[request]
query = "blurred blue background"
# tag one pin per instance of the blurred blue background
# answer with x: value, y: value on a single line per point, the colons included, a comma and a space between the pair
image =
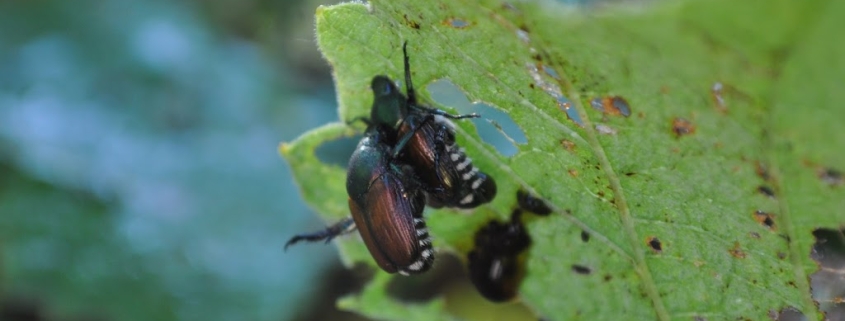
x: 139, y: 173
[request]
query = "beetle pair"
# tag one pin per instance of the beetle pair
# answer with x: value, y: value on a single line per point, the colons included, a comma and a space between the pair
x: 407, y: 159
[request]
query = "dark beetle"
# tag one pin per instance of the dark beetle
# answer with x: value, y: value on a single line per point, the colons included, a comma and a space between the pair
x: 386, y: 202
x: 408, y: 152
x: 497, y: 262
x: 431, y: 149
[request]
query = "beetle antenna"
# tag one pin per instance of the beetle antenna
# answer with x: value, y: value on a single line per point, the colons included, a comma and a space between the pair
x: 409, y: 86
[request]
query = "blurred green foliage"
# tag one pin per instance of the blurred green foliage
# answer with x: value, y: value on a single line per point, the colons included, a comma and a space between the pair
x: 139, y: 178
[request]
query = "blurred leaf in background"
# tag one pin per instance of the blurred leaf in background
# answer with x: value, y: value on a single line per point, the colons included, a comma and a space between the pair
x: 139, y: 178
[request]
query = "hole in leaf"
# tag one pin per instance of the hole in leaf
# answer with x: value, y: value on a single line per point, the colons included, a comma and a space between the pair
x: 494, y: 127
x: 681, y: 127
x: 612, y: 105
x: 580, y: 269
x: 585, y: 237
x: 605, y: 129
x: 532, y: 203
x: 654, y: 244
x: 338, y: 151
x: 718, y: 100
x: 788, y: 314
x: 523, y: 35
x: 456, y: 23
x: 767, y: 191
x: 497, y: 260
x: 423, y: 287
x: 547, y: 81
x: 767, y: 219
x: 828, y: 283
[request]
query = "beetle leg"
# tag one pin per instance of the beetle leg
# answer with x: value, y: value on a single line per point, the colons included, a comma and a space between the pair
x: 346, y: 225
x: 435, y: 111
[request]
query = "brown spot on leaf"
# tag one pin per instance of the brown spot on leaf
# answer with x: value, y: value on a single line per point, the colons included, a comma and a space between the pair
x: 762, y: 170
x: 612, y: 105
x: 767, y: 219
x: 654, y: 244
x: 681, y: 127
x: 573, y: 172
x: 568, y: 145
x: 736, y: 251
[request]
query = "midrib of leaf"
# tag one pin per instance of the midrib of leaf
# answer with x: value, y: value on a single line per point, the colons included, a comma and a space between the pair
x: 638, y: 259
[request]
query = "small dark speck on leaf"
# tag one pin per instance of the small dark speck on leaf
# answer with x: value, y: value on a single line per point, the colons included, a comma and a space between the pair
x: 612, y: 105
x: 655, y: 244
x: 764, y: 218
x: 767, y: 191
x: 699, y: 319
x: 754, y: 235
x: 411, y: 23
x: 681, y: 127
x: 781, y: 255
x: 831, y: 176
x: 585, y: 237
x: 580, y: 269
x: 736, y: 251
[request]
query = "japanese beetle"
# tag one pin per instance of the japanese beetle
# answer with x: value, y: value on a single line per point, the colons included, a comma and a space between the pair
x: 497, y: 263
x: 386, y: 201
x: 431, y: 149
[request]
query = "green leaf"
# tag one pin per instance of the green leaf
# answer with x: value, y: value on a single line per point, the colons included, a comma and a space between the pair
x: 697, y: 193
